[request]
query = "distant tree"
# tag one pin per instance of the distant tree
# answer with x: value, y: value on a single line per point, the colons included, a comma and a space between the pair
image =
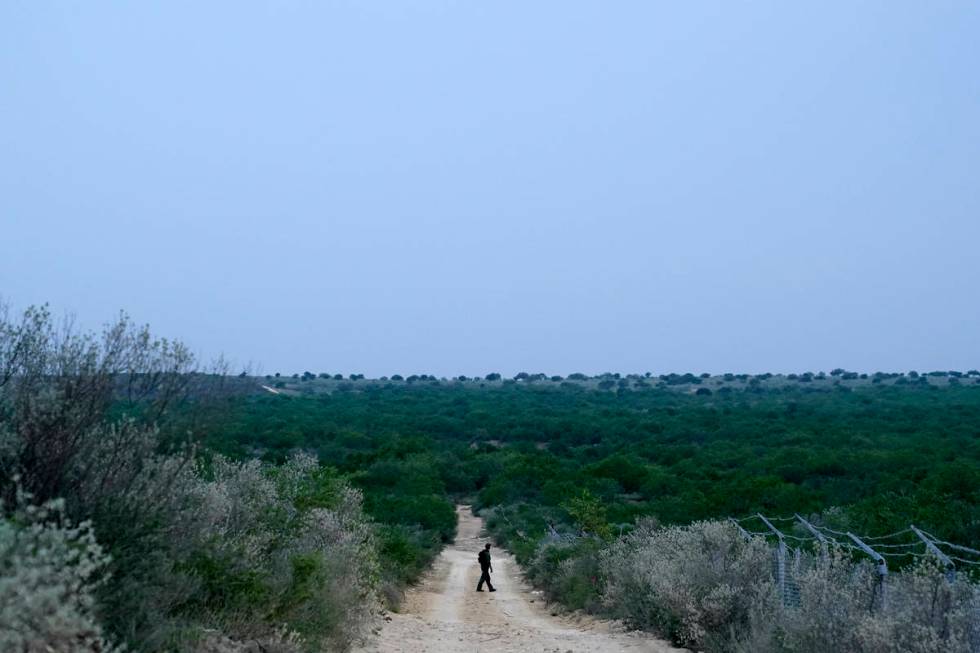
x: 493, y: 376
x: 556, y: 378
x: 606, y: 384
x: 461, y: 378
x: 521, y: 376
x: 397, y: 377
x: 324, y: 375
x: 837, y: 371
x: 705, y: 375
x: 577, y: 376
x: 702, y: 391
x: 277, y: 375
x: 338, y: 377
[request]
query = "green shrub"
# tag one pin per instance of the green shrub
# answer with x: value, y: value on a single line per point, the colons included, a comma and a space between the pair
x: 569, y: 573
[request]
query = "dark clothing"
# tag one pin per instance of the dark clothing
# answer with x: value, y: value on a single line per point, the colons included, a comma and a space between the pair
x: 484, y: 578
x: 485, y: 567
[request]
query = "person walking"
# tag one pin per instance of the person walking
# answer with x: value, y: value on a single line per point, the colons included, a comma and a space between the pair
x: 487, y: 568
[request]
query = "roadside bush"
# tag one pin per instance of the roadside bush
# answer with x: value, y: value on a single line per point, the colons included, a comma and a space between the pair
x: 281, y: 546
x: 190, y: 551
x: 430, y: 511
x: 49, y: 569
x: 840, y: 610
x: 569, y: 573
x: 708, y: 588
x: 406, y: 551
x: 701, y: 585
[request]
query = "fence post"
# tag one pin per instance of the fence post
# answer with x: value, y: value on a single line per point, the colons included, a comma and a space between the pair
x: 744, y: 532
x: 813, y: 529
x: 877, y: 557
x: 933, y: 549
x: 780, y: 558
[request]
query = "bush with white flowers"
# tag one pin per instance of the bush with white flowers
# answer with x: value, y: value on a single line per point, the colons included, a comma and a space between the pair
x: 49, y: 569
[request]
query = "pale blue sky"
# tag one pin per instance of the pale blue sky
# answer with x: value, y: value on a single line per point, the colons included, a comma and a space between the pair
x: 463, y: 187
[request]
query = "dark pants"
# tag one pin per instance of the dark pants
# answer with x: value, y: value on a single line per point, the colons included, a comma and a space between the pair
x: 485, y: 578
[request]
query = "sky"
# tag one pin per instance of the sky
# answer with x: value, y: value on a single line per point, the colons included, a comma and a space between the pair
x: 466, y: 187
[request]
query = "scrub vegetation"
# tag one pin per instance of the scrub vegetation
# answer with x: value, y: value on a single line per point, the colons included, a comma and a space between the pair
x: 119, y: 531
x: 613, y: 491
x: 153, y: 505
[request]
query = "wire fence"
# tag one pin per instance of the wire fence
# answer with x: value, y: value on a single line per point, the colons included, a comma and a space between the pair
x: 794, y: 535
x: 797, y: 539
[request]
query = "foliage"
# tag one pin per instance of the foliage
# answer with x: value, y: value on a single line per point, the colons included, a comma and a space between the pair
x: 589, y: 514
x: 49, y: 571
x: 922, y: 610
x: 706, y: 587
x: 132, y: 536
x: 701, y: 585
x: 546, y: 462
x: 569, y: 572
x: 221, y: 524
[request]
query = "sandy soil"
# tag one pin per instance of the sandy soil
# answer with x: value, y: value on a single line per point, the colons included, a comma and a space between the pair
x: 445, y: 613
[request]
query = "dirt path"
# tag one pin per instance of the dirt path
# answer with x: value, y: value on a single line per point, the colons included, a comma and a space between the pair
x: 444, y: 614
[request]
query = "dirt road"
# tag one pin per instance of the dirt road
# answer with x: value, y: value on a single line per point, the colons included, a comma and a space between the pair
x: 444, y: 614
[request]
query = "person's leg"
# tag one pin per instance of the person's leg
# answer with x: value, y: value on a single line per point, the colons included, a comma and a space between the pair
x: 489, y: 584
x: 483, y: 578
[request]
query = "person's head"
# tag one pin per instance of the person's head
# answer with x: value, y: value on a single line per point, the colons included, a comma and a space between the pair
x: 488, y: 546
